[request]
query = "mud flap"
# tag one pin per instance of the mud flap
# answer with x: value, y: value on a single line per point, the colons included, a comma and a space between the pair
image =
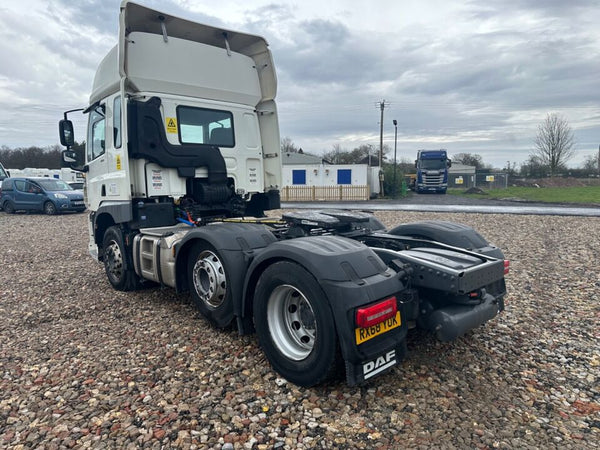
x: 365, y: 370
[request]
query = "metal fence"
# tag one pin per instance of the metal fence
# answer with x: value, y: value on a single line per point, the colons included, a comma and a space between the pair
x: 496, y: 180
x: 324, y: 193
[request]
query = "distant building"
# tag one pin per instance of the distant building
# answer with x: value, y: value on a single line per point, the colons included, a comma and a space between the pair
x: 461, y: 168
x: 300, y: 170
x: 461, y: 176
x: 301, y: 158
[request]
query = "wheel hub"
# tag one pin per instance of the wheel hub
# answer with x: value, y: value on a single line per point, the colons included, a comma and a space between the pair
x: 292, y: 322
x: 114, y: 260
x: 209, y: 279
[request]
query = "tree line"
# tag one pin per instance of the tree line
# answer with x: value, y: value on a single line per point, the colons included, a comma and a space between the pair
x: 20, y: 158
x: 40, y: 157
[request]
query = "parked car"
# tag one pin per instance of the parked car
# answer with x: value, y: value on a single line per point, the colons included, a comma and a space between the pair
x: 49, y: 195
x: 76, y: 185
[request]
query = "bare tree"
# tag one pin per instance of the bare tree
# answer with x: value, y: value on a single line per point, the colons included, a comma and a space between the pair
x: 590, y: 163
x: 554, y: 142
x: 288, y: 146
x: 363, y: 154
x: 469, y: 159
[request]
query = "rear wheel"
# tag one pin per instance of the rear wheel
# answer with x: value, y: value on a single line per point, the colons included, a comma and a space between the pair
x: 208, y: 283
x: 295, y: 325
x: 120, y: 274
x: 49, y: 208
x: 8, y: 207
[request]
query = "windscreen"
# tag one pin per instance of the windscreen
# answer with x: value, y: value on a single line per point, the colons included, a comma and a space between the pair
x: 54, y: 185
x: 432, y: 164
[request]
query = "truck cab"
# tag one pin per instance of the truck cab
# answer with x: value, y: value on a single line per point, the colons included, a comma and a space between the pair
x: 181, y: 120
x: 432, y: 171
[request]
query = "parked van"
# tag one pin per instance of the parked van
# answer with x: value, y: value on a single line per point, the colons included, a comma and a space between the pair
x: 40, y: 194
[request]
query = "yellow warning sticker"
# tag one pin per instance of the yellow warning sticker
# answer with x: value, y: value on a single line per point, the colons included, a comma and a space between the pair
x: 171, y: 124
x: 118, y: 162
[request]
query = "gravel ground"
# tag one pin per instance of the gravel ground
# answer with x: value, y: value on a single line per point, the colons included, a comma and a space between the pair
x: 85, y: 366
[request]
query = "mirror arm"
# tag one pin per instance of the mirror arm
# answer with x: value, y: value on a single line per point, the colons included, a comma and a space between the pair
x: 70, y: 111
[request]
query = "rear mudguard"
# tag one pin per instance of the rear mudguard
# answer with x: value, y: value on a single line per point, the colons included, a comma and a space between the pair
x: 352, y: 276
x: 454, y: 234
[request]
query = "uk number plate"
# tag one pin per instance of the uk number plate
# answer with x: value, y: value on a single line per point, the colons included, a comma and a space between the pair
x: 364, y: 334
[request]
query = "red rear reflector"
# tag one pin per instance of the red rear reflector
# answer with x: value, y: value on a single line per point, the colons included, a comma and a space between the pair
x: 506, y: 266
x: 379, y: 312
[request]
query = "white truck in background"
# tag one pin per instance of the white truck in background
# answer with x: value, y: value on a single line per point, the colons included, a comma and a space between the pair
x: 182, y: 159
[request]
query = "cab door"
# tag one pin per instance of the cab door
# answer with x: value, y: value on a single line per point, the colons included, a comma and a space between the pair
x: 96, y: 157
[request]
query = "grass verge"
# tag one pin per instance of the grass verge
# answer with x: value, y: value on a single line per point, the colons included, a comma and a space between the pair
x: 587, y: 194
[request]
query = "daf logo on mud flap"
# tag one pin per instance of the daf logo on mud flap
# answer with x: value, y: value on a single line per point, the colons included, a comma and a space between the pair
x: 372, y: 368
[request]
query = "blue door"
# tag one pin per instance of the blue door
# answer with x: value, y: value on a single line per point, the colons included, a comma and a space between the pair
x: 298, y: 176
x: 344, y: 176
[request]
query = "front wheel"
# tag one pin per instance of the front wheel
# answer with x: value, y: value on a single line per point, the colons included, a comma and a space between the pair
x: 119, y: 273
x: 295, y: 325
x: 8, y: 207
x: 49, y: 208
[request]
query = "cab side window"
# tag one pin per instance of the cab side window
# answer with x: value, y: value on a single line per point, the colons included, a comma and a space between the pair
x: 96, y: 144
x: 117, y: 122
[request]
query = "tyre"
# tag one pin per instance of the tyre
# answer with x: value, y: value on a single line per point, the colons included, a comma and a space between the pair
x: 49, y: 208
x: 8, y: 207
x: 295, y: 325
x: 208, y: 282
x: 119, y: 272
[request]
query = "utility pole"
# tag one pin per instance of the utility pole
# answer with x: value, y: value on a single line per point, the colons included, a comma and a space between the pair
x: 382, y: 106
x: 395, y: 122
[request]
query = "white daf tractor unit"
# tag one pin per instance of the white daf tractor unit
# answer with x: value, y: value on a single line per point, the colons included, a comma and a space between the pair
x: 183, y: 158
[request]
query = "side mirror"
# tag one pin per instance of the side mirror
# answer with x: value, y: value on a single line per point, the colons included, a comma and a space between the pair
x: 449, y: 163
x: 66, y: 133
x: 416, y: 163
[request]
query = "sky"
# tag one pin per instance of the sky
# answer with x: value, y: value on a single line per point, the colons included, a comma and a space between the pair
x: 471, y: 77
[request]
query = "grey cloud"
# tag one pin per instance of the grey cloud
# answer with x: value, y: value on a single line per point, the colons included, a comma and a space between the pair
x: 89, y: 14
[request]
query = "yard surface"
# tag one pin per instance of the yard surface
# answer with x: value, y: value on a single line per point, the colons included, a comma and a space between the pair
x: 86, y: 366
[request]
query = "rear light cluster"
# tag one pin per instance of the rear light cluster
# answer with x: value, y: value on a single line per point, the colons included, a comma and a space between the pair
x: 506, y: 266
x: 377, y: 313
